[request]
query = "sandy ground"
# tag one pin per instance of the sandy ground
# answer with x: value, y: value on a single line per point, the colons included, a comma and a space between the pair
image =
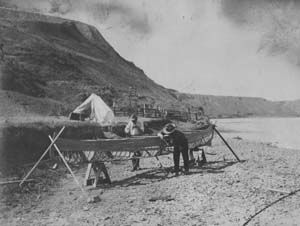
x: 222, y: 192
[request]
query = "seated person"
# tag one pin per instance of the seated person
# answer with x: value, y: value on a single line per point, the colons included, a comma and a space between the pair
x: 134, y: 128
x: 202, y: 119
x: 202, y: 122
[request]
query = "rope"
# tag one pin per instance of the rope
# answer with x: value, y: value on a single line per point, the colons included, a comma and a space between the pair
x: 269, y: 205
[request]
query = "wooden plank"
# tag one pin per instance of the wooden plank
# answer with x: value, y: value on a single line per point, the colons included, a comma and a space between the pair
x: 87, y: 174
x: 103, y: 145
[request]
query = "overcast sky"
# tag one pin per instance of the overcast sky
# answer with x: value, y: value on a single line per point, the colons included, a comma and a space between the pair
x: 217, y: 47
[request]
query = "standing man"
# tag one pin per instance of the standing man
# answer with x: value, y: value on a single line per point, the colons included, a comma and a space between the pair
x: 180, y: 143
x: 134, y: 128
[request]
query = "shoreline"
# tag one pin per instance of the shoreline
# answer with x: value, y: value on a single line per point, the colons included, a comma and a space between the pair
x: 265, y: 143
x: 281, y: 132
x: 222, y: 192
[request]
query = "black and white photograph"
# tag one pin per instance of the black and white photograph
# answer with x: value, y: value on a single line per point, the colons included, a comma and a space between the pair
x: 149, y: 112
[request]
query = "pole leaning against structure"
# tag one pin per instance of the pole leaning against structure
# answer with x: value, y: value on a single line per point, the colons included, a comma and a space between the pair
x: 225, y: 142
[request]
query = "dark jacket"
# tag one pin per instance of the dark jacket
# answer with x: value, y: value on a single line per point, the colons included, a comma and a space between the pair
x: 176, y: 139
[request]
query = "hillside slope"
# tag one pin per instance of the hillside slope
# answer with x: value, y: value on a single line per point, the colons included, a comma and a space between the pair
x: 229, y: 106
x: 51, y: 64
x: 62, y: 60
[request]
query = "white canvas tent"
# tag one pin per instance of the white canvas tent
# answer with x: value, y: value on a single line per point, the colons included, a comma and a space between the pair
x: 97, y: 110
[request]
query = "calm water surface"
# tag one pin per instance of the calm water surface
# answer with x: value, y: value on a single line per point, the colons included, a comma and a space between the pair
x: 283, y: 132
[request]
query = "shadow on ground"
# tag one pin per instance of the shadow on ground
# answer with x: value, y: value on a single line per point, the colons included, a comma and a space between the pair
x: 147, y: 176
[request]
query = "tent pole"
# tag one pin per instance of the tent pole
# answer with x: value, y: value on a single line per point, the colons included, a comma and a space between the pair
x: 226, y: 144
x: 46, y: 151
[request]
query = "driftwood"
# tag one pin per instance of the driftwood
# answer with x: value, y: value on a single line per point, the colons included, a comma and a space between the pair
x: 14, y: 181
x: 279, y: 191
x: 166, y: 198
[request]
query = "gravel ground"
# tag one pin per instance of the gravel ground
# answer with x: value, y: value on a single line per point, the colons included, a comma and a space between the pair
x: 221, y: 192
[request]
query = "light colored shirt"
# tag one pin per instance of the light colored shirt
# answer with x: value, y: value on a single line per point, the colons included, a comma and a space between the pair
x: 203, y: 121
x: 131, y: 126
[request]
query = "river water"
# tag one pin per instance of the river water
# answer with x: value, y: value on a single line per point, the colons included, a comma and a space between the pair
x: 282, y: 132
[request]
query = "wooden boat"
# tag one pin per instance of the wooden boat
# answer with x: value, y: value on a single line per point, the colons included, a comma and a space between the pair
x: 106, y: 150
x: 96, y: 152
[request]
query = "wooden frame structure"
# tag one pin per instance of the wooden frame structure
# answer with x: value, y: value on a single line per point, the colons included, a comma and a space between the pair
x: 97, y: 152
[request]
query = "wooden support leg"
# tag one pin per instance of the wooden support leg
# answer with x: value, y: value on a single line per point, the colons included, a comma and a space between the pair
x: 97, y: 168
x: 104, y: 170
x: 51, y: 151
x: 97, y: 172
x: 199, y: 162
x: 191, y: 155
x: 160, y: 164
x: 149, y: 154
x: 68, y: 167
x: 192, y: 160
x: 87, y: 175
x: 203, y: 157
x: 43, y: 155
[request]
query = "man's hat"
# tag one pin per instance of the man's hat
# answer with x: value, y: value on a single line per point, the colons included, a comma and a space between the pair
x: 169, y: 128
